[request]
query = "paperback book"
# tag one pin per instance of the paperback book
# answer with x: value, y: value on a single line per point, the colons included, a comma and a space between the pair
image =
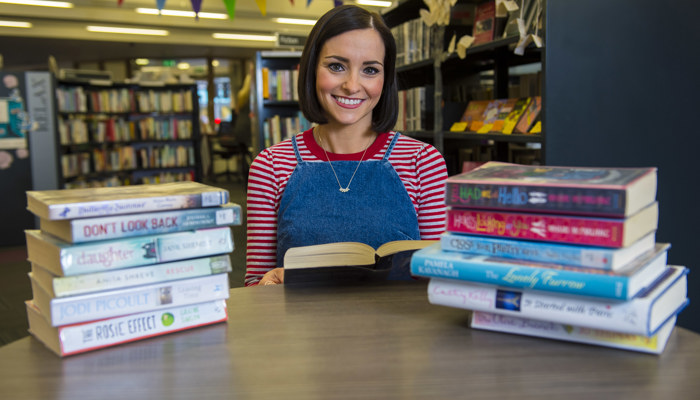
x: 65, y: 259
x: 88, y: 336
x: 607, y: 192
x: 112, y: 303
x: 643, y: 315
x: 569, y: 333
x: 62, y: 286
x: 350, y: 261
x: 539, y: 251
x: 530, y: 115
x: 573, y: 229
x: 122, y: 226
x: 433, y: 262
x: 117, y: 200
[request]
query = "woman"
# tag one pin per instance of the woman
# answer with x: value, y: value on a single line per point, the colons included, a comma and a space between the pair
x: 350, y: 178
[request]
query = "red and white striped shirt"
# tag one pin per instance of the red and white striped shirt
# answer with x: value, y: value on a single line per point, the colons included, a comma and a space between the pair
x: 420, y: 167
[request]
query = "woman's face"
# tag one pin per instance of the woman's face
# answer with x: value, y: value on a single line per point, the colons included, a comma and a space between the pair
x: 350, y: 76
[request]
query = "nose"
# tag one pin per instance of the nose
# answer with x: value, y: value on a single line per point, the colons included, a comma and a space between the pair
x: 351, y: 83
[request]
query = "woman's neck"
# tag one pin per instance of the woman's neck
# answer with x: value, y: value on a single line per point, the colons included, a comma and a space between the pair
x: 344, y: 141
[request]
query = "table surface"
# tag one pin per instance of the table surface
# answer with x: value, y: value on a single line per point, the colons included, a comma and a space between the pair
x: 380, y: 341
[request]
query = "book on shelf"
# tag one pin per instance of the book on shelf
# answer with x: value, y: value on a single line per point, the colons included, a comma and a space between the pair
x: 484, y: 22
x: 611, y: 192
x: 559, y: 228
x: 63, y: 286
x: 83, y: 230
x: 575, y: 255
x: 530, y: 115
x: 112, y: 303
x: 489, y: 117
x: 349, y: 261
x: 497, y: 123
x: 623, y: 284
x: 65, y: 259
x: 473, y: 115
x: 93, y: 335
x: 644, y: 314
x: 95, y: 202
x: 569, y: 333
x: 515, y: 114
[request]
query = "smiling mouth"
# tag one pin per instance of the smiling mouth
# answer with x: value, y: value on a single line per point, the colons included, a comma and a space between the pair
x: 346, y: 101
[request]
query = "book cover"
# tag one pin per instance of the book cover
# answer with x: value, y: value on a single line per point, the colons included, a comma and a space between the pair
x: 613, y: 192
x: 343, y: 262
x: 96, y: 202
x: 122, y: 226
x: 506, y: 109
x: 112, y: 303
x: 642, y: 315
x: 473, y: 115
x: 569, y: 333
x: 529, y: 117
x: 515, y: 114
x: 490, y: 116
x: 88, y: 336
x: 62, y: 286
x: 484, y: 23
x: 433, y: 262
x: 572, y: 229
x: 540, y: 251
x: 65, y: 259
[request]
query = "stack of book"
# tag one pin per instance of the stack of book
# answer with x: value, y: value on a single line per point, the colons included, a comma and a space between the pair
x: 119, y: 264
x: 565, y: 253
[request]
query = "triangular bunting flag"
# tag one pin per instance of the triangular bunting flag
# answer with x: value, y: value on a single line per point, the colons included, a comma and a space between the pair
x: 196, y: 6
x: 308, y: 2
x: 336, y: 3
x: 230, y: 8
x: 262, y: 5
x: 119, y: 2
x: 160, y: 5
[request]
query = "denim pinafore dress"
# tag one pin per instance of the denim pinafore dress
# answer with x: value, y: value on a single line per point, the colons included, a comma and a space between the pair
x: 377, y: 209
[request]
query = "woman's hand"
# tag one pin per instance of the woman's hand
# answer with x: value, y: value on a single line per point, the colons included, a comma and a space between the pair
x: 273, y: 277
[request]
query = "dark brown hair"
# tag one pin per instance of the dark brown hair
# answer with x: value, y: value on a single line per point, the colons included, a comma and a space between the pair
x: 333, y: 23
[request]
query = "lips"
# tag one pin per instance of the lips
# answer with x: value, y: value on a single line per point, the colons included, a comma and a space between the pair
x: 348, y: 102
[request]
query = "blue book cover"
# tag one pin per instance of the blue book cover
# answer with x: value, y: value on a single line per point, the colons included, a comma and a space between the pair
x: 433, y: 262
x: 565, y: 254
x: 131, y: 225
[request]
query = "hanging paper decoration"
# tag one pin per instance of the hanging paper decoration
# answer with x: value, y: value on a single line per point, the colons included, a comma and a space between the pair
x: 262, y: 5
x: 336, y: 3
x: 160, y: 5
x: 291, y: 1
x: 119, y: 2
x: 230, y: 8
x: 308, y: 2
x: 196, y: 6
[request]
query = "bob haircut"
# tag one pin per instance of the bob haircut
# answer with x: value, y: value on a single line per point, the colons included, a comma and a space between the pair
x: 335, y: 22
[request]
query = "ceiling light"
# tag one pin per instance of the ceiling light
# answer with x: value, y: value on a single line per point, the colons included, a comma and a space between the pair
x: 242, y: 36
x: 41, y: 3
x: 183, y: 65
x: 180, y: 13
x: 16, y: 24
x: 295, y: 21
x: 374, y: 3
x: 141, y: 61
x: 130, y: 31
x: 215, y: 63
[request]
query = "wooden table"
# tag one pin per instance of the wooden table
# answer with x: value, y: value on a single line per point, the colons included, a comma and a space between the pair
x: 372, y: 342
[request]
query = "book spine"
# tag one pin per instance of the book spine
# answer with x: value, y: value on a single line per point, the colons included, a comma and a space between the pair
x: 94, y: 229
x: 130, y: 206
x: 90, y: 307
x: 521, y: 275
x: 101, y: 281
x: 549, y: 199
x: 85, y: 337
x: 605, y: 232
x: 569, y: 333
x: 145, y: 250
x: 628, y: 317
x: 574, y: 255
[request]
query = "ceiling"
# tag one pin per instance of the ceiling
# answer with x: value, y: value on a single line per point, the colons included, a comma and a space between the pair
x: 61, y: 32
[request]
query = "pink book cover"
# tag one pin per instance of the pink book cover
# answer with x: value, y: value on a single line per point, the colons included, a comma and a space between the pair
x: 603, y: 232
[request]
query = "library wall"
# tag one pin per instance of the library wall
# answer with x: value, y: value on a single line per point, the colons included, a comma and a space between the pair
x: 620, y: 91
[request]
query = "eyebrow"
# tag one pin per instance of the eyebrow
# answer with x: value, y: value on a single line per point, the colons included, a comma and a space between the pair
x: 345, y: 60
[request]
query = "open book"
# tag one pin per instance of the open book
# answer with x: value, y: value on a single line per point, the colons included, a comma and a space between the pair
x: 342, y: 262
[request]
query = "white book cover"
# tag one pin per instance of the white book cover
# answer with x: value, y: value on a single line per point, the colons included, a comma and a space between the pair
x: 112, y: 303
x: 642, y: 315
x: 88, y: 336
x: 551, y: 330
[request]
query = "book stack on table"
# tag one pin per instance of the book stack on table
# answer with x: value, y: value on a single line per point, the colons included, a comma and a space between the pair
x: 119, y: 264
x: 566, y: 253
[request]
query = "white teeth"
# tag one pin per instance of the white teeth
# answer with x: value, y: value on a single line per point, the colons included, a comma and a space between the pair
x: 350, y: 102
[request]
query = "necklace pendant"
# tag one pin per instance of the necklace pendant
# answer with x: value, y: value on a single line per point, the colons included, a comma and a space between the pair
x: 344, y: 190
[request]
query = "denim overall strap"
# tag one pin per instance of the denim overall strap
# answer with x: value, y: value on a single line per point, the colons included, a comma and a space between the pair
x: 377, y: 208
x: 296, y: 149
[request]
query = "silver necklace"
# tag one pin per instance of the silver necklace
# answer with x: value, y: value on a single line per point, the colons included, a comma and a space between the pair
x: 340, y: 187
